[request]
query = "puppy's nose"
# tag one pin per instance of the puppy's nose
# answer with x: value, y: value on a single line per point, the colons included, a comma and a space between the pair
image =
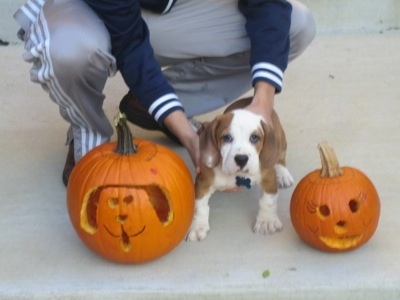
x: 241, y: 160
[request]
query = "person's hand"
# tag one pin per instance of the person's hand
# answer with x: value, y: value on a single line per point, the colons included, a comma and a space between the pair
x: 178, y: 123
x: 263, y: 101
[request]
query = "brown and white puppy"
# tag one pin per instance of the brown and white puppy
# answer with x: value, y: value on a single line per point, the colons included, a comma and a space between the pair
x: 239, y: 149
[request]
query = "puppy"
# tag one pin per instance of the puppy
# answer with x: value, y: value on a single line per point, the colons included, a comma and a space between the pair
x: 238, y: 149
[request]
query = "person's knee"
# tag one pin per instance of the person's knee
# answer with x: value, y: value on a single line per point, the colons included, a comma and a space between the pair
x: 303, y: 29
x: 76, y: 34
x: 78, y: 55
x: 307, y: 28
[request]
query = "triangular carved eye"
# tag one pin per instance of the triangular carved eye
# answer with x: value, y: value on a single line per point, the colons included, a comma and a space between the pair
x: 112, y: 202
x: 128, y: 200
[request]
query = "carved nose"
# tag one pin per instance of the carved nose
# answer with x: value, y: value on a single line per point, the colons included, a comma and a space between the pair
x: 122, y: 218
x: 340, y: 227
x: 241, y: 160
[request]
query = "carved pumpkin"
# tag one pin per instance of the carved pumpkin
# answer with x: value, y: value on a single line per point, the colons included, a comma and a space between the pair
x: 130, y: 201
x: 335, y: 209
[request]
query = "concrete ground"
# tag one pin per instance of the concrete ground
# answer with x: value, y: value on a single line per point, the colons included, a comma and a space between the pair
x: 345, y: 89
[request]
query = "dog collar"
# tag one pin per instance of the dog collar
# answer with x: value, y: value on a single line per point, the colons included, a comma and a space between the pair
x: 243, y: 181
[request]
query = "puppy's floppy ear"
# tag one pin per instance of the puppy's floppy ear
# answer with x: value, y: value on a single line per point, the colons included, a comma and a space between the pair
x: 209, y: 151
x: 269, y: 154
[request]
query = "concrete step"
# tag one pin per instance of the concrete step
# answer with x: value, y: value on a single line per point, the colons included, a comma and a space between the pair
x: 343, y: 89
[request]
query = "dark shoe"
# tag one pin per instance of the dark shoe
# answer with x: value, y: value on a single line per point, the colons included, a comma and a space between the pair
x: 136, y: 114
x: 69, y: 164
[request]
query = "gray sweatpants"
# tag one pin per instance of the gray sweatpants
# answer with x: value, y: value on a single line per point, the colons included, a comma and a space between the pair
x: 202, y: 45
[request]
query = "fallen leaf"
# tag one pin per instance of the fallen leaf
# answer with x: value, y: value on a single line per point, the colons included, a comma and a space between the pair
x: 266, y: 274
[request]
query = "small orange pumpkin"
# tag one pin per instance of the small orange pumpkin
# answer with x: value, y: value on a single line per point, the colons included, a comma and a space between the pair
x: 130, y: 201
x: 334, y: 209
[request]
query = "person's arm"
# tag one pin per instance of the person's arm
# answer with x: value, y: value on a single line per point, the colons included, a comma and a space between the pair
x: 263, y: 100
x: 135, y: 60
x: 135, y: 57
x: 267, y: 25
x: 177, y: 122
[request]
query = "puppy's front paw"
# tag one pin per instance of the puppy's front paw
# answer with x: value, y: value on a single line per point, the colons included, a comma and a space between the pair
x: 200, y: 224
x: 267, y: 226
x: 198, y: 231
x: 283, y: 176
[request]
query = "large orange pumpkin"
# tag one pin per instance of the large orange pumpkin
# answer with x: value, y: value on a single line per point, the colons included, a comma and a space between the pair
x: 130, y: 201
x: 335, y: 209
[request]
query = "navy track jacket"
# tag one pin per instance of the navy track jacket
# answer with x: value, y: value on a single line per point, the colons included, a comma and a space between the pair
x: 268, y: 24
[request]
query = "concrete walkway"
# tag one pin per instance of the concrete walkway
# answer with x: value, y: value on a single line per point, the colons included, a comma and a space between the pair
x: 344, y: 89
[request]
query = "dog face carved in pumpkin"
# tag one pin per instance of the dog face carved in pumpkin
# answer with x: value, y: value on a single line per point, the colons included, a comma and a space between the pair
x: 121, y: 213
x: 130, y: 201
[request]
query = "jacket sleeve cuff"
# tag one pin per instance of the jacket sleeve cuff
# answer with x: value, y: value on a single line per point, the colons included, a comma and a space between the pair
x: 267, y: 72
x: 163, y: 106
x: 157, y: 6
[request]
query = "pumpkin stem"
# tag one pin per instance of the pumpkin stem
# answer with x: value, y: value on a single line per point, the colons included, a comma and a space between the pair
x: 125, y: 145
x: 330, y: 164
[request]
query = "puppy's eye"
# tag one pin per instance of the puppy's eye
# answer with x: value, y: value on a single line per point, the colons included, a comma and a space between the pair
x: 254, y: 138
x: 227, y: 138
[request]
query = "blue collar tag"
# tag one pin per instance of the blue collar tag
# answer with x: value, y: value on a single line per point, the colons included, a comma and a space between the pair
x: 243, y: 181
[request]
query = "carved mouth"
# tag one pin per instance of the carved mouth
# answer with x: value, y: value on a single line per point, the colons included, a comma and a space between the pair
x: 123, y: 232
x: 125, y: 241
x: 341, y: 242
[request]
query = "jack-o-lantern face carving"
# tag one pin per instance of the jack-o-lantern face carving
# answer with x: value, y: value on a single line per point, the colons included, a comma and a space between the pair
x: 335, y: 213
x: 121, y: 213
x: 131, y: 207
x: 338, y: 221
x: 339, y: 229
